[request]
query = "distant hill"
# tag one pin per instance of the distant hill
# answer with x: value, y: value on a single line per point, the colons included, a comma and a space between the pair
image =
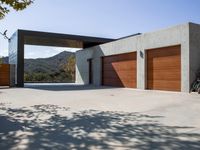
x: 44, y: 65
x: 47, y: 65
x: 47, y: 69
x: 5, y: 60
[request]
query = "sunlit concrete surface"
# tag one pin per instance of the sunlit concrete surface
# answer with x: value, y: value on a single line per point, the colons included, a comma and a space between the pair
x: 71, y: 116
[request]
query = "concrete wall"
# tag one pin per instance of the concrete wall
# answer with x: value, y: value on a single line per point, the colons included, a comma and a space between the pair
x: 194, y: 51
x: 177, y: 35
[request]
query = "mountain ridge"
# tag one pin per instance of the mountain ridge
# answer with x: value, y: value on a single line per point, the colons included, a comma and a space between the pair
x: 48, y: 69
x: 47, y: 65
x: 53, y: 62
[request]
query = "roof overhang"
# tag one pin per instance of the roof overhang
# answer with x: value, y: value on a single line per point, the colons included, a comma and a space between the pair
x: 59, y: 40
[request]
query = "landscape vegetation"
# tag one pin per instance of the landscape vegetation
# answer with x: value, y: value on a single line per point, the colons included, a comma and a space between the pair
x: 58, y: 68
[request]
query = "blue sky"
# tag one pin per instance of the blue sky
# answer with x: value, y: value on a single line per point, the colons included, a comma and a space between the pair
x: 101, y: 18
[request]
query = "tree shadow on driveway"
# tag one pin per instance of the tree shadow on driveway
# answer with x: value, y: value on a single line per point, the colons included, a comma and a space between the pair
x: 53, y: 127
x: 65, y: 87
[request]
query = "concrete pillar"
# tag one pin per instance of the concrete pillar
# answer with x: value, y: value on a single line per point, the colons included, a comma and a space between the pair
x: 141, y: 69
x: 185, y: 68
x: 97, y: 71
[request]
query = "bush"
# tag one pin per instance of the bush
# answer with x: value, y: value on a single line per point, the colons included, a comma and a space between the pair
x: 1, y: 60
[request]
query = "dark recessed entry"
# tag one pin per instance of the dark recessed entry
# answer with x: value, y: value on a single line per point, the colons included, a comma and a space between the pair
x: 90, y: 71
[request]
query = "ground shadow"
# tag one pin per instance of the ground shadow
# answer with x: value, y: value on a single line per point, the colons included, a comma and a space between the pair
x: 48, y: 127
x: 65, y: 87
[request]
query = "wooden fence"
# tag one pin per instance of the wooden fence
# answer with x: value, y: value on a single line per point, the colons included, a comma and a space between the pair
x: 4, y: 75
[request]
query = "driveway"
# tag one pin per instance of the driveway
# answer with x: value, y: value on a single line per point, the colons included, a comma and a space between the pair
x: 86, y: 117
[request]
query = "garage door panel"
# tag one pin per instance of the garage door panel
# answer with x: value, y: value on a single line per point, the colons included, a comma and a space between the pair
x: 124, y: 65
x: 120, y: 74
x: 166, y: 85
x: 165, y: 75
x: 119, y: 70
x: 118, y: 66
x: 174, y: 50
x: 113, y: 82
x: 174, y: 67
x: 164, y: 68
x: 119, y: 83
x: 121, y: 79
x: 168, y: 63
x: 115, y: 79
x: 119, y: 58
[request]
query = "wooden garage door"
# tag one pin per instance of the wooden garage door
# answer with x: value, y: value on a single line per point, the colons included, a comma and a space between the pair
x: 4, y: 75
x: 164, y: 68
x: 119, y: 70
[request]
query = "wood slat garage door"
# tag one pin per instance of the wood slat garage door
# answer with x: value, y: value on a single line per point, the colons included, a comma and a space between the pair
x: 119, y: 70
x: 4, y: 75
x: 164, y: 68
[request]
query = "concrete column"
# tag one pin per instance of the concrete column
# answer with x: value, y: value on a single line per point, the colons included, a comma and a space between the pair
x: 82, y: 69
x: 82, y: 66
x: 185, y: 68
x: 141, y: 64
x: 97, y: 70
x: 141, y: 69
x: 185, y: 58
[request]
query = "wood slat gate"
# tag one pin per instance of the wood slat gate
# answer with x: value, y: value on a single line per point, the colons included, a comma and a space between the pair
x: 4, y: 75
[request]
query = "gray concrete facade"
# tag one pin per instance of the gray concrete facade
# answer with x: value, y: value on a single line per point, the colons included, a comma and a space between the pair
x: 186, y: 35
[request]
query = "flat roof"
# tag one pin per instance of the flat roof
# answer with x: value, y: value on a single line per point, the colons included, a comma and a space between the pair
x: 59, y: 39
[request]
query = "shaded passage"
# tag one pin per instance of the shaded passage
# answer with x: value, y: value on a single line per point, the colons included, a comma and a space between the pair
x: 51, y: 126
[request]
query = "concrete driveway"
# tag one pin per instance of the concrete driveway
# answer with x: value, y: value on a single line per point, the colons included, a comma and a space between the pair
x: 86, y: 117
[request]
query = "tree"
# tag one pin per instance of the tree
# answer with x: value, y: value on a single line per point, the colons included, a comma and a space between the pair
x: 6, y: 5
x: 1, y: 60
x: 69, y: 67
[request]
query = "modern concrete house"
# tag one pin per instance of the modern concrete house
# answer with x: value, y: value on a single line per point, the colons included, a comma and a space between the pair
x: 163, y: 60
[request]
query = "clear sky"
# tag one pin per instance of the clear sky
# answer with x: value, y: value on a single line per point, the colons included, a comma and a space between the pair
x: 101, y: 18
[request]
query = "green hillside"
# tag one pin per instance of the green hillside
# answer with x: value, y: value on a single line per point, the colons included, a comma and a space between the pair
x: 59, y: 68
x: 52, y: 69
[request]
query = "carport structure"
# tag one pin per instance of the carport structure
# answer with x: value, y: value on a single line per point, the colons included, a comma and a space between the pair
x: 22, y: 37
